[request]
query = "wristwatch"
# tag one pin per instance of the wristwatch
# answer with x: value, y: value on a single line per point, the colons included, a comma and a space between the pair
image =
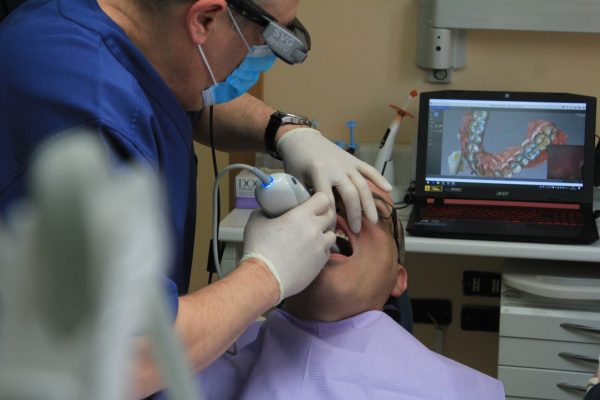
x: 279, y: 118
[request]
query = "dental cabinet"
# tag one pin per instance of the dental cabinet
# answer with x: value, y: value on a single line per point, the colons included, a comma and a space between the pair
x: 549, y: 338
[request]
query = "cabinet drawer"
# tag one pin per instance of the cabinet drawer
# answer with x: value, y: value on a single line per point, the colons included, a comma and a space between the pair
x: 546, y: 354
x: 541, y: 384
x: 545, y: 324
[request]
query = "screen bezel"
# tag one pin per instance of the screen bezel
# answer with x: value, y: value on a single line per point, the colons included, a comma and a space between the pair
x: 515, y: 192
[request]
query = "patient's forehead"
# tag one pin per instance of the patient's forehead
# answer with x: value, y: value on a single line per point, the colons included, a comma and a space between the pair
x: 374, y: 190
x: 382, y: 193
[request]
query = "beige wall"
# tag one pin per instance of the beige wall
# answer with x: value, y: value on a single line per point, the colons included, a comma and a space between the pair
x: 363, y: 58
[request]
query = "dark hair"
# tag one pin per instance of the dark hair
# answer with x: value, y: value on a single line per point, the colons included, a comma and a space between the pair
x: 155, y: 5
x: 402, y: 250
x: 166, y: 4
x: 399, y: 237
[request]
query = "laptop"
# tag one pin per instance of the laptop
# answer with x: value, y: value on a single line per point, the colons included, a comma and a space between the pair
x: 510, y: 166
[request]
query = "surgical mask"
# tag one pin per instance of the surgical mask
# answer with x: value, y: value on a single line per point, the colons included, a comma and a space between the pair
x: 259, y: 59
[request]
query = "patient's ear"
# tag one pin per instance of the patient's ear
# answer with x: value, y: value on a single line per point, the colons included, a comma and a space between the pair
x: 401, y: 282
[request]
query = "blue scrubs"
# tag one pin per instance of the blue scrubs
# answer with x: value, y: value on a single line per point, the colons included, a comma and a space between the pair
x: 64, y: 63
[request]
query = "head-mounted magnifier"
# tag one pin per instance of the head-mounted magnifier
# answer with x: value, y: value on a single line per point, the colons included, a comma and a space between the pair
x: 290, y: 43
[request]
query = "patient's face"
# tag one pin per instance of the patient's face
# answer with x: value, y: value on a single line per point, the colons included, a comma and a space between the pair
x: 362, y: 278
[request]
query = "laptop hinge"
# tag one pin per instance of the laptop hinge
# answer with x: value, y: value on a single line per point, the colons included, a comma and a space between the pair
x: 435, y: 201
x: 509, y: 203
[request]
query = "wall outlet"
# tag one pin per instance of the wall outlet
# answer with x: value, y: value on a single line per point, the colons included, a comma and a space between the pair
x: 477, y: 283
x: 431, y: 311
x: 480, y: 318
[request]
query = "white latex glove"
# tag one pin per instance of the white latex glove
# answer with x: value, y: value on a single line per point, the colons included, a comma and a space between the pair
x: 312, y: 158
x: 294, y: 246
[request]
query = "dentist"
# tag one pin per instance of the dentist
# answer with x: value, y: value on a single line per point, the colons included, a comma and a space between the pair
x: 150, y: 77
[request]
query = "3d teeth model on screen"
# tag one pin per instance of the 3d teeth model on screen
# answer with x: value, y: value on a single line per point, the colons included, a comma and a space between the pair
x: 510, y: 161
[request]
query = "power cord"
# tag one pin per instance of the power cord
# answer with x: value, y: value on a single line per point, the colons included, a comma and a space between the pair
x: 210, y: 267
x: 597, y: 163
x: 409, y: 197
x: 265, y: 179
x: 215, y: 248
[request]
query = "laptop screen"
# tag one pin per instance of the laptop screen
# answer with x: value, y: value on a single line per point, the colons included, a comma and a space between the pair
x: 506, y: 146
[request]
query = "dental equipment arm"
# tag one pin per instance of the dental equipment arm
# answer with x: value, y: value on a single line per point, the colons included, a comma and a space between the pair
x: 384, y: 162
x: 83, y: 266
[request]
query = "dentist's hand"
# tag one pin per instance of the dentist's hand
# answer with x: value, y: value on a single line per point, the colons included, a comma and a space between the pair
x: 311, y: 157
x: 294, y: 246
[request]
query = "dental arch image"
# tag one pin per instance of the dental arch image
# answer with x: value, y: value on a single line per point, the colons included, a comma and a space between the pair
x: 542, y: 140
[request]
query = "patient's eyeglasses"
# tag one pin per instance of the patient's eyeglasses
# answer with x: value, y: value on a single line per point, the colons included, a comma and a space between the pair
x: 387, y: 211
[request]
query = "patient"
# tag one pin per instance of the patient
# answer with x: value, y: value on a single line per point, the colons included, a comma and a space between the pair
x: 332, y: 341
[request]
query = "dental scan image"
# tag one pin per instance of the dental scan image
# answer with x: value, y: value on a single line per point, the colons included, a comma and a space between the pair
x: 508, y: 144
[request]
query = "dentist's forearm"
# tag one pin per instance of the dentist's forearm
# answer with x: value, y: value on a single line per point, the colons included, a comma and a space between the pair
x: 239, y: 125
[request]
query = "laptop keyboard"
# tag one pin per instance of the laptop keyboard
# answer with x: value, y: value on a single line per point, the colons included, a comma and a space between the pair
x: 542, y: 216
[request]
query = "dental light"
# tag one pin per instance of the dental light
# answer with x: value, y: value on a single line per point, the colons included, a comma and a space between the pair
x: 384, y: 162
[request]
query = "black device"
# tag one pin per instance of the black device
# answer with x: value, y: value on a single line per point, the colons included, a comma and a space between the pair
x: 277, y: 119
x: 432, y: 311
x: 290, y: 43
x: 480, y: 318
x: 513, y: 166
x: 597, y: 165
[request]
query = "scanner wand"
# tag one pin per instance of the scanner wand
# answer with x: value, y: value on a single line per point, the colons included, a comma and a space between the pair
x: 280, y: 192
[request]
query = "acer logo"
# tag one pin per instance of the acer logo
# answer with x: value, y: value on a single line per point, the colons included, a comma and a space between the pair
x: 502, y: 194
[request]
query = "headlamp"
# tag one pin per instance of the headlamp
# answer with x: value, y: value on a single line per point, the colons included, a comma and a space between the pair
x: 290, y: 43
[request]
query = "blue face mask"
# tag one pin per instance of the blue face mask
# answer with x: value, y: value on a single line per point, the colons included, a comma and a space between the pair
x: 259, y: 59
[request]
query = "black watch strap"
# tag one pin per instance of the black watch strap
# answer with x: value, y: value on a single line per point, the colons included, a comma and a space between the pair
x: 279, y: 118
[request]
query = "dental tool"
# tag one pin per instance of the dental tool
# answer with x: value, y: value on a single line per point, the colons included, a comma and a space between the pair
x: 279, y: 194
x: 384, y: 162
x: 276, y: 194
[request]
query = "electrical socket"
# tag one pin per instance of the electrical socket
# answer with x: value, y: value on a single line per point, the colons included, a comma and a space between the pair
x: 431, y: 311
x: 597, y: 165
x: 480, y: 318
x: 477, y: 283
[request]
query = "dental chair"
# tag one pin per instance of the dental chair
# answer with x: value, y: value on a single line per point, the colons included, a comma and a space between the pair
x: 400, y: 310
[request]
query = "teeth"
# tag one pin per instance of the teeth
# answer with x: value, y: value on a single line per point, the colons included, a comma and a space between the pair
x: 515, y: 166
x: 472, y: 148
x: 341, y: 234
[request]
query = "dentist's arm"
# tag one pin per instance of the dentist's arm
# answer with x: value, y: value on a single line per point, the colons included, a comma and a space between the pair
x: 210, y: 319
x: 281, y: 257
x: 240, y: 126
